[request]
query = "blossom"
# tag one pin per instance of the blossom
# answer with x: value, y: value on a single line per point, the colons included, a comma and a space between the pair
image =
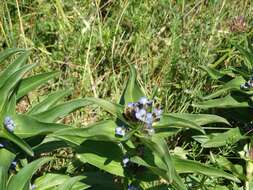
x: 145, y: 101
x: 120, y: 131
x: 9, y: 124
x: 125, y: 161
x: 141, y: 114
x: 158, y: 113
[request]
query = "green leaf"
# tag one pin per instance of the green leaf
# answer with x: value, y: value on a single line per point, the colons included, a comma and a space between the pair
x: 18, y: 141
x: 61, y: 110
x: 114, y: 109
x: 190, y: 166
x: 220, y: 139
x: 48, y: 102
x: 23, y: 177
x: 213, y: 73
x: 132, y: 91
x: 6, y: 158
x: 101, y: 131
x: 160, y: 149
x: 172, y: 120
x: 8, y: 52
x: 226, y: 102
x: 201, y: 119
x: 13, y: 67
x: 52, y: 180
x: 3, y: 178
x: 27, y: 126
x: 11, y: 82
x: 101, y: 180
x: 31, y: 83
x: 176, y: 181
x: 106, y: 156
x: 233, y: 84
x: 225, y: 164
x: 49, y: 146
x: 68, y: 184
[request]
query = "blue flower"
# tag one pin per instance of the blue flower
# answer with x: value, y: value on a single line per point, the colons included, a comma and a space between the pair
x: 149, y: 118
x: 145, y: 101
x: 120, y: 131
x: 157, y: 113
x: 9, y: 124
x: 125, y: 161
x: 141, y: 114
x: 1, y: 145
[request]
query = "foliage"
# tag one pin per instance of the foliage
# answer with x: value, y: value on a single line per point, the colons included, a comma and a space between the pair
x: 232, y: 99
x: 130, y: 147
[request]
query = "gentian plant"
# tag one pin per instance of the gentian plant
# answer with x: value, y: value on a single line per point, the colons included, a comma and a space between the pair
x: 132, y: 146
x: 129, y: 151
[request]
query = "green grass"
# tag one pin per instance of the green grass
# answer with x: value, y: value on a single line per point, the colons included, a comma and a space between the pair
x: 92, y: 43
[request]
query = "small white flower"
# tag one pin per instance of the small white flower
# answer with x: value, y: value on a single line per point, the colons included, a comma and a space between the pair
x: 125, y: 161
x: 120, y: 131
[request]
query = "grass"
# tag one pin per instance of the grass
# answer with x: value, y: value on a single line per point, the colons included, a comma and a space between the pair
x: 92, y: 43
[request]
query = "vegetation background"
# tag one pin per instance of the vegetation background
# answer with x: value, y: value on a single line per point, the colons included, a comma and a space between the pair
x: 93, y: 41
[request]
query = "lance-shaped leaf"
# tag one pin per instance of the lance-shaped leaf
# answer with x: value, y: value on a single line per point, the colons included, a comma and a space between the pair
x: 6, y: 158
x: 48, y: 102
x: 11, y: 82
x: 190, y: 166
x: 23, y: 177
x: 112, y: 108
x: 226, y: 102
x: 220, y: 139
x: 229, y: 86
x: 52, y: 180
x: 68, y: 184
x: 101, y: 131
x: 176, y: 181
x: 106, y: 156
x: 132, y: 91
x: 214, y: 73
x: 160, y: 149
x: 8, y: 52
x: 27, y: 126
x: 61, y: 110
x: 13, y: 67
x: 3, y: 178
x: 18, y: 141
x: 31, y: 83
x: 201, y: 119
x: 171, y: 120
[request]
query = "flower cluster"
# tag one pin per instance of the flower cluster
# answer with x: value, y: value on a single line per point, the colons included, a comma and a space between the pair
x: 143, y: 111
x: 247, y: 85
x: 9, y: 124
